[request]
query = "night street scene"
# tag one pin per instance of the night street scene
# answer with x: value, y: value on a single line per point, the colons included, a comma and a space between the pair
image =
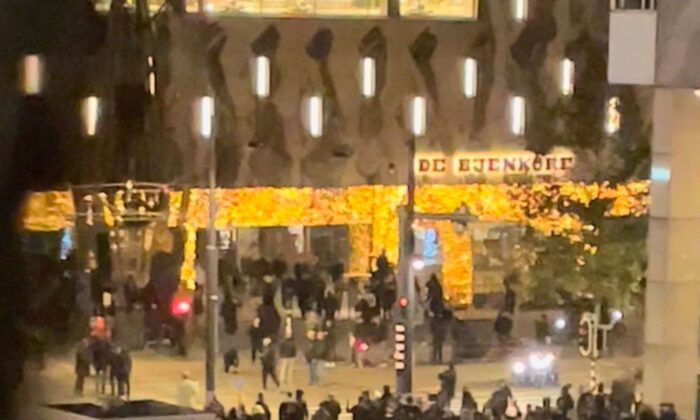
x: 349, y: 209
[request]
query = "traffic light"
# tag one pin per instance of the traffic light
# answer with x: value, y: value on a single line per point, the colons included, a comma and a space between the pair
x: 586, y: 335
x: 399, y: 346
x: 181, y: 306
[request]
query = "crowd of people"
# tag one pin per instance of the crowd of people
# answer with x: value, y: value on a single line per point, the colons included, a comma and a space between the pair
x: 620, y: 403
x: 111, y: 364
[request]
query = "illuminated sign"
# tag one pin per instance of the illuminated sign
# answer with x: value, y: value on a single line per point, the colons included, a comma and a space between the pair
x: 556, y: 164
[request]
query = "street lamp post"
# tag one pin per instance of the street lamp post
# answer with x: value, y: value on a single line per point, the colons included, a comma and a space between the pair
x: 206, y: 131
x: 405, y: 318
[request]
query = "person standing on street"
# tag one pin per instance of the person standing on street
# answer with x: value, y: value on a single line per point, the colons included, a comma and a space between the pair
x: 269, y: 363
x: 448, y: 382
x: 302, y: 404
x: 82, y: 365
x: 121, y: 371
x: 288, y: 353
x: 256, y: 339
x: 438, y: 326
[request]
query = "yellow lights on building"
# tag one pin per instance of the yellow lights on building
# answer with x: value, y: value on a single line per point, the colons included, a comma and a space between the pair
x: 418, y: 109
x: 32, y: 74
x: 470, y: 77
x: 370, y: 212
x: 520, y: 9
x: 261, y: 79
x: 458, y: 9
x: 204, y: 117
x: 90, y: 113
x: 313, y: 118
x: 368, y: 77
x: 612, y: 116
x: 567, y: 77
x: 518, y: 115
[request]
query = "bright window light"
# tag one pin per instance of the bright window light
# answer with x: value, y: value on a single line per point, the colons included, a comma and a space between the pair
x: 696, y: 92
x: 261, y: 82
x: 568, y: 71
x: 90, y: 111
x: 419, y: 117
x: 32, y: 73
x: 520, y: 9
x: 209, y: 7
x: 152, y: 83
x: 315, y: 111
x: 368, y: 76
x: 517, y: 115
x: 205, y: 117
x: 470, y: 77
x: 612, y: 115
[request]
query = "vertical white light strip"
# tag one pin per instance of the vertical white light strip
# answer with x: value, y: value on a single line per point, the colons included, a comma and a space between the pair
x: 612, y: 115
x: 520, y: 9
x: 315, y: 104
x: 90, y: 111
x: 517, y: 115
x: 471, y: 77
x: 368, y: 76
x: 32, y: 72
x: 206, y: 117
x: 262, y: 76
x: 419, y: 116
x: 151, y: 76
x: 568, y: 74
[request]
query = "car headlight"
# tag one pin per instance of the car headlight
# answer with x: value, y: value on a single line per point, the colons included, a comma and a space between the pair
x: 541, y: 361
x: 560, y: 324
x: 519, y: 368
x: 616, y: 315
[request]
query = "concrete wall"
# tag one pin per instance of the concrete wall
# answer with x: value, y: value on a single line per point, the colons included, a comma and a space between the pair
x: 677, y: 55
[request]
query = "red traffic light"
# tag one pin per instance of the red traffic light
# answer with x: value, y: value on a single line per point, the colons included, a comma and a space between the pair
x: 403, y: 302
x: 181, y: 307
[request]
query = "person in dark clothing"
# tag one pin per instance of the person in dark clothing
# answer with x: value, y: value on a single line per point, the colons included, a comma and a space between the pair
x: 231, y: 359
x: 503, y: 327
x: 438, y: 327
x: 436, y: 410
x: 362, y: 410
x: 565, y: 402
x: 256, y: 339
x: 448, y: 382
x: 120, y: 371
x: 330, y: 304
x: 270, y: 319
x: 468, y: 401
x: 332, y: 407
x: 330, y: 340
x: 82, y: 365
x: 302, y: 404
x: 288, y: 292
x: 436, y: 302
x: 600, y: 403
x: 269, y: 363
x: 290, y: 410
x: 101, y: 354
x: 542, y: 330
x: 229, y: 312
x: 509, y: 302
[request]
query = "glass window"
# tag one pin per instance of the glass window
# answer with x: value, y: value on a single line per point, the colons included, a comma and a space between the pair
x: 458, y: 9
x: 294, y: 7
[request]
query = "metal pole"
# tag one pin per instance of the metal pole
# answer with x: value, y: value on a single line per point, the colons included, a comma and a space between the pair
x: 212, y: 281
x: 404, y: 378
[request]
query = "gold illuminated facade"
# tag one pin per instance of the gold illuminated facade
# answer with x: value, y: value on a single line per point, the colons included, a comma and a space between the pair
x: 370, y: 212
x: 445, y: 9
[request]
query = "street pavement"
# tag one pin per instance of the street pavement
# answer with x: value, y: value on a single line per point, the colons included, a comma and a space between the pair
x: 156, y: 376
